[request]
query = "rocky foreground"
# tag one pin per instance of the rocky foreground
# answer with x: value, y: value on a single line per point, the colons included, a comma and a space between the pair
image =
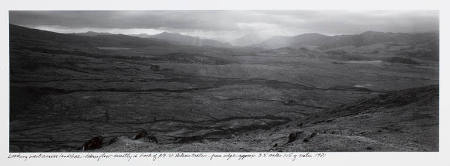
x: 404, y: 120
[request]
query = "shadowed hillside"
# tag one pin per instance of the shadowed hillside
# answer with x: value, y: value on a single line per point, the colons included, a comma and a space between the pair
x: 427, y: 43
x: 34, y: 36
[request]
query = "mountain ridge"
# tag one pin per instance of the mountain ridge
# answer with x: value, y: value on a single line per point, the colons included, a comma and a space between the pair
x: 115, y: 40
x: 366, y: 38
x: 180, y: 39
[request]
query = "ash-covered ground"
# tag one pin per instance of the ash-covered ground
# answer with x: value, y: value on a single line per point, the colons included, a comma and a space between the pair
x: 72, y: 92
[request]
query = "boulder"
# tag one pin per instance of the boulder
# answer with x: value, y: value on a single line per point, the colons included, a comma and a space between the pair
x: 310, y: 137
x: 110, y: 140
x: 295, y: 136
x: 93, y: 143
x: 142, y: 134
x: 152, y: 138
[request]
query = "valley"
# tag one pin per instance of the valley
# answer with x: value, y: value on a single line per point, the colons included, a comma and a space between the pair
x: 66, y: 89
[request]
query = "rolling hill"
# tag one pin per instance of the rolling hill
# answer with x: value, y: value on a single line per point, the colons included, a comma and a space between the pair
x: 180, y: 39
x: 367, y: 38
x: 19, y: 33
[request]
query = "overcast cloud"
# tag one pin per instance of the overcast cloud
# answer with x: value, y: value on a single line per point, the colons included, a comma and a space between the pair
x: 229, y: 25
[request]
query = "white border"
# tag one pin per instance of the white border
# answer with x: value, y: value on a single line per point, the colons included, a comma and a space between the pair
x: 353, y: 158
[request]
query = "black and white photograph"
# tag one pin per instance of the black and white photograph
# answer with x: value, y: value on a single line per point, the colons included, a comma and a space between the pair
x: 223, y: 81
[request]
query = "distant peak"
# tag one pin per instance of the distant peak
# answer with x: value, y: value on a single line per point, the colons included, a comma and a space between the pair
x: 169, y: 33
x: 93, y: 33
x: 312, y: 34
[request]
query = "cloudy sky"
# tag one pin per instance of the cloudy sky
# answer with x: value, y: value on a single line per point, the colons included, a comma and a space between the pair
x: 229, y: 25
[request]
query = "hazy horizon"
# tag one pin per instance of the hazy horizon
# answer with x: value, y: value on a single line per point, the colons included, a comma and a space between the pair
x: 227, y: 26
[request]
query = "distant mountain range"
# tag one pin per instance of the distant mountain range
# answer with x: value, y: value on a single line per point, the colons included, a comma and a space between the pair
x: 173, y: 38
x: 180, y: 39
x: 23, y: 34
x: 92, y: 33
x: 367, y: 38
x: 420, y: 45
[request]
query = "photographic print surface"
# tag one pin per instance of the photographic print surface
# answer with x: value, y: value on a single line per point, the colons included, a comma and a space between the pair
x: 220, y: 81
